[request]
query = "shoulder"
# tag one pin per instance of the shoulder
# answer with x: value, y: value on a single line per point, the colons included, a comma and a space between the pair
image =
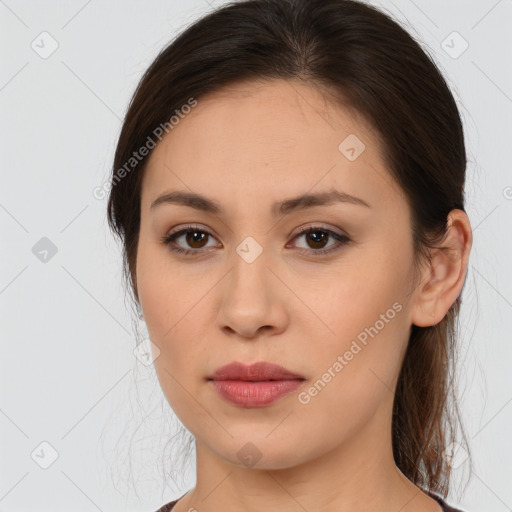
x: 443, y: 504
x: 446, y: 508
x: 167, y: 507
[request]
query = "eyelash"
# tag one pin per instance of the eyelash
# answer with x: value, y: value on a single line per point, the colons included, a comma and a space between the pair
x: 341, y: 239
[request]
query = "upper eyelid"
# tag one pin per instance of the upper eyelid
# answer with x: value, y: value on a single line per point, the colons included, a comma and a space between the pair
x: 303, y: 230
x: 185, y: 229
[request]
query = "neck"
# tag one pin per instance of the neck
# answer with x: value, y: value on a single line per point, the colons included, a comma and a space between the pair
x: 359, y: 475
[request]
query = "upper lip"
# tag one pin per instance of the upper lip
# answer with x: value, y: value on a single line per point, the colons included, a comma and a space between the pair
x: 253, y: 372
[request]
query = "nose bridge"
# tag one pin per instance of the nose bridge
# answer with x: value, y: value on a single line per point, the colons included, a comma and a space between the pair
x: 250, y: 294
x: 250, y: 273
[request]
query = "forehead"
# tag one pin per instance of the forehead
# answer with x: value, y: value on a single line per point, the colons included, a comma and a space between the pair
x: 268, y: 139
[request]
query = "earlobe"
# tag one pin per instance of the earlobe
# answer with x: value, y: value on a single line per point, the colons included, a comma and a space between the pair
x: 443, y: 278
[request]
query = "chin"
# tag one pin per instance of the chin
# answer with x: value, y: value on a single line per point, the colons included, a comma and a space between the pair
x: 259, y: 452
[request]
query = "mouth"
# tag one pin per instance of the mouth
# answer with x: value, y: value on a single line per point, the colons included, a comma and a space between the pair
x: 256, y: 385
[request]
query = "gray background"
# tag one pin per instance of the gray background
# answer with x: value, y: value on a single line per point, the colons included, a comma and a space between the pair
x: 68, y: 372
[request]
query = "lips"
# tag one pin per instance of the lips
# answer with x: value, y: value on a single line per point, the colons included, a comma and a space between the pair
x: 256, y: 385
x: 261, y: 371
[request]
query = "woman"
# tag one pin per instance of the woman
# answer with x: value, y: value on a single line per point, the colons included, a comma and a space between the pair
x: 288, y: 187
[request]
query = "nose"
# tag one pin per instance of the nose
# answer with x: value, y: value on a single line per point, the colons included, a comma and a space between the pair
x: 253, y: 299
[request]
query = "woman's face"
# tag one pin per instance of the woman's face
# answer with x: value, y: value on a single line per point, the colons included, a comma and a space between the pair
x: 252, y: 288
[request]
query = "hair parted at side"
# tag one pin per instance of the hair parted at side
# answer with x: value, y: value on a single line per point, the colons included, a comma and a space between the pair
x: 368, y: 62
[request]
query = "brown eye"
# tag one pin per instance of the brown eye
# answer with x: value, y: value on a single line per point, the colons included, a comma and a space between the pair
x: 195, y: 240
x: 316, y: 239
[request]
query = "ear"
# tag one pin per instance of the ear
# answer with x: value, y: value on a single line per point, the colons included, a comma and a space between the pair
x: 443, y: 278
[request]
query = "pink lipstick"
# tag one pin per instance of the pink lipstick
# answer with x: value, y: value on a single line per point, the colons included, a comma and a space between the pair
x: 255, y: 385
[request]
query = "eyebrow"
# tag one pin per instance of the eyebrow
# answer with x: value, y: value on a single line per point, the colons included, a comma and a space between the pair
x: 278, y: 209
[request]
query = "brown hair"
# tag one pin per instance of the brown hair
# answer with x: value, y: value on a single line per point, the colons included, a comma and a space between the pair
x: 370, y: 63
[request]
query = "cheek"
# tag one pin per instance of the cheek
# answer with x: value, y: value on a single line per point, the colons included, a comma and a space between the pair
x: 364, y: 306
x: 170, y: 303
x: 169, y: 296
x: 355, y: 376
x: 354, y: 296
x: 172, y: 310
x: 171, y: 319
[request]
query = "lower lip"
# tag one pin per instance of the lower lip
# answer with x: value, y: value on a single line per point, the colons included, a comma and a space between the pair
x: 254, y: 394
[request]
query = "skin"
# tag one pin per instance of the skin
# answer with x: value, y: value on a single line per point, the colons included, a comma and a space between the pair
x: 246, y: 147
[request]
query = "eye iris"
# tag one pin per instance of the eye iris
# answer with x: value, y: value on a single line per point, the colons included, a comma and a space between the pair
x: 317, y: 239
x: 191, y: 237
